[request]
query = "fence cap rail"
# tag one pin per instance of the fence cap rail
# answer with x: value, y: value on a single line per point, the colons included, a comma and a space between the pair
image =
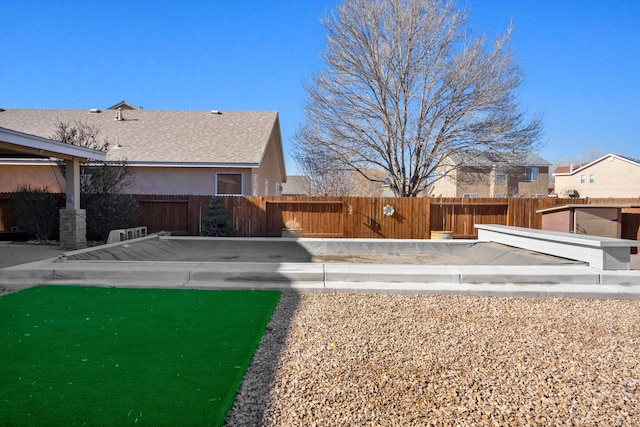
x: 304, y: 202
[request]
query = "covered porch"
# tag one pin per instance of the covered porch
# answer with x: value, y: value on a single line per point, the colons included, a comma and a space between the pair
x: 15, y: 144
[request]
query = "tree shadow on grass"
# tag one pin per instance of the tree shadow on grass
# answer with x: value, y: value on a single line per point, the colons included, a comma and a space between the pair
x: 252, y: 398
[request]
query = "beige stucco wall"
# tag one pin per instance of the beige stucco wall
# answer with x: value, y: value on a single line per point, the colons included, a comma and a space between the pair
x: 144, y: 180
x: 483, y: 184
x: 614, y: 177
x: 527, y: 189
x: 446, y: 186
x: 182, y: 180
x: 269, y: 175
x: 13, y: 175
x: 473, y: 182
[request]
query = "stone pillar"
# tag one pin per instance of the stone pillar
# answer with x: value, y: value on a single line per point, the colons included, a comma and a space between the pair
x: 73, y: 228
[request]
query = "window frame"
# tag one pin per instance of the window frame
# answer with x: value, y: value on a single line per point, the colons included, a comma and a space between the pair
x: 218, y: 193
x: 532, y: 174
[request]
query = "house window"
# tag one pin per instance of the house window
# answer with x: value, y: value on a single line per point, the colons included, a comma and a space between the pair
x: 500, y: 195
x: 531, y: 174
x: 537, y: 196
x: 582, y: 179
x: 501, y: 175
x: 229, y: 183
x: 470, y: 195
x: 592, y: 178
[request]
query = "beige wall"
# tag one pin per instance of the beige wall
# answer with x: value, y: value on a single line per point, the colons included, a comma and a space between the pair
x: 268, y: 175
x: 613, y: 177
x: 144, y: 180
x: 446, y: 186
x: 473, y: 182
x: 483, y: 184
x: 527, y: 189
x: 182, y: 180
x: 39, y: 176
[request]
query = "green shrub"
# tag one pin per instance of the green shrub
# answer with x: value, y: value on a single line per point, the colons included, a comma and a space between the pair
x: 106, y: 212
x: 35, y: 210
x: 216, y: 222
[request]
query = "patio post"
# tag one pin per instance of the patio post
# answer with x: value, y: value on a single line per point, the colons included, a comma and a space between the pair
x: 73, y: 220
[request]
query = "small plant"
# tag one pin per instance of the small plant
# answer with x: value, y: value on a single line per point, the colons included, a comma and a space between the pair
x: 217, y: 222
x: 292, y: 224
x: 35, y: 210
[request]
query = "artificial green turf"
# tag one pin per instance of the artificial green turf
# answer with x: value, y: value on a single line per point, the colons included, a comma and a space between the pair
x: 107, y: 356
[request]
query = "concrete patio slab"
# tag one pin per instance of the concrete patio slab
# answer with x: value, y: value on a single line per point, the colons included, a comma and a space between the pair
x: 548, y: 280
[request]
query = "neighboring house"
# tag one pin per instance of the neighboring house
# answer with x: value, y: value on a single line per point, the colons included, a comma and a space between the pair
x: 611, y: 175
x: 168, y: 152
x: 296, y: 185
x: 351, y: 183
x: 528, y: 176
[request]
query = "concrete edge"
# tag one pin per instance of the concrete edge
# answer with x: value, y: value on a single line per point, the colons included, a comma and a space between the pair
x: 568, y: 281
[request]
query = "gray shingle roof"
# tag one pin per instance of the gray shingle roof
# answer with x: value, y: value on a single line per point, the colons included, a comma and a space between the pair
x: 487, y: 159
x: 162, y: 136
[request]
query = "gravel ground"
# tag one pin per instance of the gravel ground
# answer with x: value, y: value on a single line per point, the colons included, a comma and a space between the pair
x: 399, y: 360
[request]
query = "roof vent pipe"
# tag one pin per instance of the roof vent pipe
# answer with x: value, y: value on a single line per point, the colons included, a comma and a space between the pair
x: 216, y: 112
x: 119, y: 115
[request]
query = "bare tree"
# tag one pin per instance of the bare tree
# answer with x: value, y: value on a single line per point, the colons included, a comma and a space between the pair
x: 101, y: 183
x: 405, y: 86
x: 97, y: 177
x: 80, y: 134
x: 326, y: 177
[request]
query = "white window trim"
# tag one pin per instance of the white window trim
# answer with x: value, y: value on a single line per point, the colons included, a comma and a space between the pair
x: 537, y: 174
x: 230, y: 173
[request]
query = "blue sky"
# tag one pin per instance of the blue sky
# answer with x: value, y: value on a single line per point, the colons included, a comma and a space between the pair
x: 581, y: 60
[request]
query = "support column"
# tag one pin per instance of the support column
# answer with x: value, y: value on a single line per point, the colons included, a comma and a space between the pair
x: 73, y: 229
x: 72, y: 167
x: 73, y: 220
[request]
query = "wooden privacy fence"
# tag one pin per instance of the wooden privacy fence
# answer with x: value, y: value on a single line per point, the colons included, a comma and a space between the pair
x: 352, y: 217
x: 363, y: 217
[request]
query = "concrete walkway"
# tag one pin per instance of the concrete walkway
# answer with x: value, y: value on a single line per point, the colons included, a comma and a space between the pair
x: 16, y: 253
x: 577, y: 281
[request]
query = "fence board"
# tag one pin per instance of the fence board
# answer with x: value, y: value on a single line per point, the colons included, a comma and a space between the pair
x: 352, y: 217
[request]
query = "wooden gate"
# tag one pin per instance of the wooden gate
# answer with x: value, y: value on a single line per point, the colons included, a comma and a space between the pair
x: 318, y: 218
x: 165, y: 215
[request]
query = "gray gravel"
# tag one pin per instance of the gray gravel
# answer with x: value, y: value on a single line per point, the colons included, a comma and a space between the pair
x: 400, y: 360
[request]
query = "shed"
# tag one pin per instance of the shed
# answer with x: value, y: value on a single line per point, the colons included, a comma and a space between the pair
x: 594, y: 220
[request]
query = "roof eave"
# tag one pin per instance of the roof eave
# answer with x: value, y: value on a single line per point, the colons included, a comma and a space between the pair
x: 233, y: 165
x: 43, y: 147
